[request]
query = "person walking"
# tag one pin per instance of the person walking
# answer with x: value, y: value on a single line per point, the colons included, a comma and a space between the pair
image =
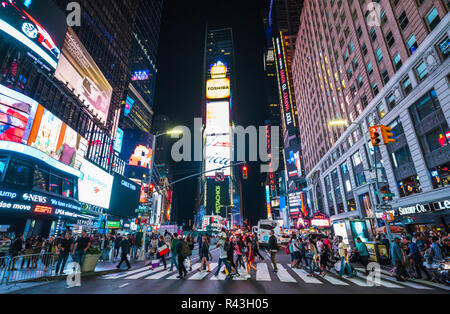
x: 81, y: 246
x: 302, y: 252
x: 250, y: 257
x: 181, y: 255
x: 312, y: 256
x: 398, y: 260
x: 162, y: 258
x: 239, y: 249
x: 14, y: 250
x: 204, y: 254
x: 29, y: 250
x: 415, y: 254
x: 125, y: 246
x: 255, y: 247
x: 173, y: 251
x: 273, y: 248
x: 153, y: 246
x: 65, y: 246
x: 323, y: 258
x: 361, y: 248
x: 344, y: 255
x: 190, y: 242
x: 4, y: 249
x: 105, y: 246
x: 117, y: 246
x: 222, y: 245
x: 49, y: 253
x: 295, y: 251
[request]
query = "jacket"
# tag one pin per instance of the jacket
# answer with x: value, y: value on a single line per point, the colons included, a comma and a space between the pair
x: 396, y: 253
x: 125, y: 246
x: 273, y: 243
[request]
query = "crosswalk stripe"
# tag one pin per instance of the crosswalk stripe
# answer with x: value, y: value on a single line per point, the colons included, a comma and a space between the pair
x: 283, y: 275
x: 159, y: 275
x: 145, y: 273
x: 174, y: 276
x: 203, y: 274
x: 384, y: 283
x: 243, y: 275
x: 406, y: 283
x: 304, y: 276
x: 335, y: 281
x: 127, y: 273
x: 263, y: 272
x: 221, y: 276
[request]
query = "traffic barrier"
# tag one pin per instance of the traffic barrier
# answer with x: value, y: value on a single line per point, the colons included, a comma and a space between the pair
x: 4, y: 262
x: 36, y: 266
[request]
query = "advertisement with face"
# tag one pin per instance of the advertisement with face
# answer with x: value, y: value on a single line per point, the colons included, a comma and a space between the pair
x: 16, y: 115
x: 95, y: 185
x: 39, y: 25
x: 48, y: 134
x: 79, y: 70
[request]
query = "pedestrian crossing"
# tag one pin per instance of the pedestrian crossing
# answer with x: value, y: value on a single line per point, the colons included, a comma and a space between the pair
x: 286, y: 274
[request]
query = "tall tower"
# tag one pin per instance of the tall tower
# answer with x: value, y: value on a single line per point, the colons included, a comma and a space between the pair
x: 218, y: 103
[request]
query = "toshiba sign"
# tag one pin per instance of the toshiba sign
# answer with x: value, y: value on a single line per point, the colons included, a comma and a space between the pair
x: 218, y: 88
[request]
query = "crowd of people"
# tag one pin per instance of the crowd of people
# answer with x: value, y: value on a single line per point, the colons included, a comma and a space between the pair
x: 410, y: 254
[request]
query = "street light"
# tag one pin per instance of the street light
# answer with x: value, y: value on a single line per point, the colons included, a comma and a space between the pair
x: 373, y: 165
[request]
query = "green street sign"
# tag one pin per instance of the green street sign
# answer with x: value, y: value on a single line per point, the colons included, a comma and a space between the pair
x: 388, y: 195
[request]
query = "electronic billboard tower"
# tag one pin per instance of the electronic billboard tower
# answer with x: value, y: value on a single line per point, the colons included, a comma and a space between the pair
x: 219, y: 185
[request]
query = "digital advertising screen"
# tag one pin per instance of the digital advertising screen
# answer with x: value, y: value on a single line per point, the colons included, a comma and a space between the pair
x: 217, y: 154
x: 16, y: 115
x: 95, y: 185
x: 119, y: 139
x: 124, y: 197
x: 129, y: 102
x: 77, y: 68
x: 217, y: 117
x: 48, y: 134
x: 217, y: 196
x: 38, y: 24
x: 140, y: 75
x: 218, y: 88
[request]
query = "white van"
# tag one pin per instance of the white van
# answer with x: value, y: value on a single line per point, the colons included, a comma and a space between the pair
x: 264, y: 227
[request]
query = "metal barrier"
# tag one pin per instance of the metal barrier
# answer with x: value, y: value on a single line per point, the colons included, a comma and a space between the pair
x: 4, y: 262
x: 28, y: 267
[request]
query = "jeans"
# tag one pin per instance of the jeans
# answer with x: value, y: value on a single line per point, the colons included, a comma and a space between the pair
x: 345, y: 265
x: 173, y: 261
x: 225, y: 262
x: 63, y: 256
x: 134, y: 251
x: 303, y: 257
x: 105, y: 254
x: 163, y: 260
x: 79, y: 257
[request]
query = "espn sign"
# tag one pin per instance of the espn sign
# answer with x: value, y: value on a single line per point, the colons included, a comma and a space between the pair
x: 218, y: 88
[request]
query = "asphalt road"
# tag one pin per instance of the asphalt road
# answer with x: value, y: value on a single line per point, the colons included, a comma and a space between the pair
x: 286, y: 281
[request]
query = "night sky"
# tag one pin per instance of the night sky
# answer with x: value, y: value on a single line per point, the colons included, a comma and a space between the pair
x: 179, y: 82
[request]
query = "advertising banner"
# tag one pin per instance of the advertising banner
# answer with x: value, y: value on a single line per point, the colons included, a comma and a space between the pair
x: 218, y: 88
x: 95, y: 185
x: 218, y: 154
x: 218, y: 118
x: 124, y: 197
x: 137, y: 148
x: 218, y: 194
x: 39, y: 25
x: 77, y: 68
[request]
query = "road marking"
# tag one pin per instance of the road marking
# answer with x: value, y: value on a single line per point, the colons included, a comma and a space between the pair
x: 203, y: 274
x: 160, y: 274
x: 221, y: 276
x: 145, y: 273
x: 335, y: 281
x: 124, y: 285
x: 283, y: 275
x: 115, y: 276
x: 304, y: 276
x: 242, y: 276
x: 406, y: 283
x: 382, y: 282
x: 174, y: 276
x: 263, y: 272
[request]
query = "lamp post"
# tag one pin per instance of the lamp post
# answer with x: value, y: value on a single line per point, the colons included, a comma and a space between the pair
x: 372, y: 165
x: 149, y: 181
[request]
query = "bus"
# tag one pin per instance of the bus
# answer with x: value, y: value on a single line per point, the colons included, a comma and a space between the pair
x: 264, y: 227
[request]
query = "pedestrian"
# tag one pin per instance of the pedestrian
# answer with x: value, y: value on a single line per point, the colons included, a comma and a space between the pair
x: 4, y: 249
x: 117, y: 245
x: 239, y: 249
x: 65, y: 246
x: 223, y: 256
x: 398, y: 259
x: 28, y: 253
x: 162, y: 257
x: 105, y: 245
x: 153, y: 246
x: 125, y: 246
x: 361, y: 248
x: 204, y: 254
x: 190, y: 242
x: 14, y: 251
x: 324, y: 257
x: 182, y: 250
x: 417, y: 258
x: 295, y: 251
x: 250, y: 257
x: 173, y: 251
x: 80, y: 248
x: 437, y: 251
x: 49, y: 253
x: 255, y: 246
x: 273, y: 248
x: 302, y: 252
x: 344, y: 255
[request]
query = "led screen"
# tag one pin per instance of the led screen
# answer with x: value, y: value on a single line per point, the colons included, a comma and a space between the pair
x: 218, y: 88
x: 124, y: 197
x: 95, y: 185
x: 80, y: 72
x: 218, y: 117
x: 38, y: 24
x: 218, y: 154
x: 140, y: 75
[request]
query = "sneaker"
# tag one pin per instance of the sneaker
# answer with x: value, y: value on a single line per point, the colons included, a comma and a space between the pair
x: 180, y: 277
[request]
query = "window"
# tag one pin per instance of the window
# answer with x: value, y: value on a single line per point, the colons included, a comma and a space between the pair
x: 425, y: 106
x: 397, y: 61
x: 403, y: 20
x: 3, y: 163
x: 41, y: 180
x: 433, y: 19
x: 412, y: 44
x: 379, y: 54
x: 364, y: 49
x: 380, y: 110
x: 397, y: 127
x: 406, y: 85
x: 349, y: 73
x: 373, y: 34
x: 356, y: 159
x: 19, y: 174
x: 359, y: 31
x: 375, y: 88
x: 390, y: 100
x: 390, y: 39
x: 385, y: 76
x: 383, y: 18
x: 421, y: 71
x: 440, y: 175
x: 444, y: 48
x: 344, y: 168
x: 351, y: 47
x: 345, y: 56
x: 370, y: 68
x: 355, y: 64
x: 401, y: 156
x: 409, y: 186
x: 360, y: 81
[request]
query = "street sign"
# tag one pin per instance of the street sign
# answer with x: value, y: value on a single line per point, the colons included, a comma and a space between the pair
x: 388, y: 195
x: 220, y: 177
x: 384, y: 207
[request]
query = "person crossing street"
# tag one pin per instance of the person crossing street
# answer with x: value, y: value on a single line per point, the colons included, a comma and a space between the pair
x: 273, y: 248
x: 125, y: 246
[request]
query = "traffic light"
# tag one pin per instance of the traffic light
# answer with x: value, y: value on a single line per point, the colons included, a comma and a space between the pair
x: 386, y: 134
x: 375, y: 135
x: 150, y: 190
x: 245, y: 172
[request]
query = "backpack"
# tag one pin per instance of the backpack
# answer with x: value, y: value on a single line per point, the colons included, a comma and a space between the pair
x: 287, y: 249
x: 185, y: 251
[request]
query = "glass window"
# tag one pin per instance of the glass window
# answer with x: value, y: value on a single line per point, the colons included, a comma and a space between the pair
x: 436, y: 138
x: 401, y: 156
x: 421, y: 71
x: 379, y: 54
x: 412, y: 44
x: 390, y: 100
x: 440, y: 176
x: 370, y: 68
x: 3, y: 162
x: 381, y: 112
x: 425, y: 106
x: 433, y: 19
x: 68, y: 188
x: 444, y: 48
x: 403, y: 20
x: 397, y: 127
x: 397, y: 61
x: 55, y: 184
x: 356, y: 159
x: 41, y: 179
x: 344, y: 168
x: 406, y: 84
x: 409, y: 186
x: 19, y: 174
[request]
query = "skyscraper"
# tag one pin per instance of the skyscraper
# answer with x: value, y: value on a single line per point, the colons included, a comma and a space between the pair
x: 373, y: 65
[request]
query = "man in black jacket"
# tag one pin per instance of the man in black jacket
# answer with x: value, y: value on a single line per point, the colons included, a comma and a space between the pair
x: 273, y: 248
x: 125, y: 245
x: 182, y: 272
x: 15, y: 249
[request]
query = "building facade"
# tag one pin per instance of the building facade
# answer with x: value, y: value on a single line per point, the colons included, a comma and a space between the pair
x: 392, y: 69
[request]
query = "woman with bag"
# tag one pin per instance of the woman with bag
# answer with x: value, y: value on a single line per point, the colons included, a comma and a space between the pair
x: 204, y: 254
x: 153, y: 246
x: 161, y: 251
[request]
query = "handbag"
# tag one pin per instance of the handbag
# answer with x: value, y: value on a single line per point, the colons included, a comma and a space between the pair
x: 163, y: 250
x: 155, y: 263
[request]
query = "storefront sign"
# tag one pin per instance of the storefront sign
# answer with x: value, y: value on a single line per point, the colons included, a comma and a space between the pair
x: 9, y: 205
x: 442, y: 205
x: 320, y: 220
x: 35, y: 198
x: 42, y: 209
x: 411, y: 210
x: 113, y: 224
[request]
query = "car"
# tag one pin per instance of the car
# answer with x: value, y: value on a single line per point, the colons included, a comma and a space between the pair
x: 95, y: 95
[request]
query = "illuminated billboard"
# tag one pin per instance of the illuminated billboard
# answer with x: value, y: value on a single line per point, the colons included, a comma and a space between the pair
x: 39, y: 25
x: 217, y: 117
x: 218, y: 154
x: 119, y: 139
x: 218, y: 196
x: 95, y: 185
x: 218, y: 88
x: 77, y: 68
x: 16, y: 115
x: 129, y: 102
x: 141, y: 157
x: 218, y: 70
x: 140, y: 75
